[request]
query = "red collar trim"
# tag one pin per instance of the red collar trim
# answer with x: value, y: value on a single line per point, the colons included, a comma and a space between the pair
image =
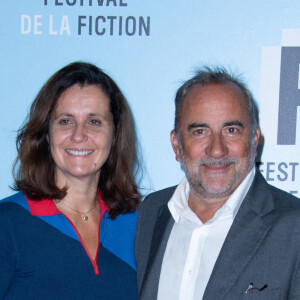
x: 103, y: 206
x: 42, y: 208
x: 46, y: 207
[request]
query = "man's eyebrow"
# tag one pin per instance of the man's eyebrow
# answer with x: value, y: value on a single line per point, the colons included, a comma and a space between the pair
x: 197, y: 125
x: 234, y: 123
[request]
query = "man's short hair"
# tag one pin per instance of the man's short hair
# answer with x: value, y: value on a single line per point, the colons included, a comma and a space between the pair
x: 215, y: 75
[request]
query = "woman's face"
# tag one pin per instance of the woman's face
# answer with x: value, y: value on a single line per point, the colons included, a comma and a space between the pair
x: 81, y: 133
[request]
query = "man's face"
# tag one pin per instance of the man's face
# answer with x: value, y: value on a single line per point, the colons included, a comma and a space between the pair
x: 216, y: 148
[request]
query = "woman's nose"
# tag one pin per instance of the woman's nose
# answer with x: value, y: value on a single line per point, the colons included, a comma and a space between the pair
x: 79, y: 133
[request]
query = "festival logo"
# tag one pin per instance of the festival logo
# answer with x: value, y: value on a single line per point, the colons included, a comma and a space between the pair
x: 279, y: 113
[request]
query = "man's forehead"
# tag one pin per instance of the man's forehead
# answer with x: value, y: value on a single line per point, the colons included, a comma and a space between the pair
x: 218, y: 103
x: 215, y: 89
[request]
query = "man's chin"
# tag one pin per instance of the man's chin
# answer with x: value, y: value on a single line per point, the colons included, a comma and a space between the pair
x: 218, y: 193
x: 215, y: 191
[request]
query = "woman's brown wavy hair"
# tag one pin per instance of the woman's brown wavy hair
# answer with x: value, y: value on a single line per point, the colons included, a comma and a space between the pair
x: 34, y: 167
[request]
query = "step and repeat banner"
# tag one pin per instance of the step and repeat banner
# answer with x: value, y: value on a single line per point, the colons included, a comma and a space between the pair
x: 149, y: 48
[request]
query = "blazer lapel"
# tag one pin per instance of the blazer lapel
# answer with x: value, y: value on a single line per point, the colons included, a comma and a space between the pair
x: 251, y: 224
x: 162, y: 230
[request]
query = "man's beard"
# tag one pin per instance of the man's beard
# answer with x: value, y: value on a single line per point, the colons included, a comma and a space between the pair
x: 193, y: 175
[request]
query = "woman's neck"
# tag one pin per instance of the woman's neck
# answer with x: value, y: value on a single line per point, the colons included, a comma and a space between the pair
x: 81, y: 193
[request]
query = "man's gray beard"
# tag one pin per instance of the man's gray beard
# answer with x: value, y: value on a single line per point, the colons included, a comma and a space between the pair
x: 196, y: 184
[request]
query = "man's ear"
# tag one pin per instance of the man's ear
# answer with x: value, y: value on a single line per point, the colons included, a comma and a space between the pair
x: 256, y: 136
x: 175, y: 144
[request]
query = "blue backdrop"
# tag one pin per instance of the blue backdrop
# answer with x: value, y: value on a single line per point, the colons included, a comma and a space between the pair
x: 149, y: 48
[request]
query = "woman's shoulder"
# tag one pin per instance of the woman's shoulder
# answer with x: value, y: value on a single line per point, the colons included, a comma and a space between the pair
x: 118, y: 236
x: 14, y: 201
x: 127, y: 220
x: 14, y: 212
x: 123, y: 227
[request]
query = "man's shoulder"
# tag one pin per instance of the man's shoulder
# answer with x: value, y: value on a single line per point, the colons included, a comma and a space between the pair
x: 284, y: 200
x: 160, y: 197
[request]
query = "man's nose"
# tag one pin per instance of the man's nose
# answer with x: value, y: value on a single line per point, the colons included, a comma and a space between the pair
x: 79, y: 134
x: 217, y: 147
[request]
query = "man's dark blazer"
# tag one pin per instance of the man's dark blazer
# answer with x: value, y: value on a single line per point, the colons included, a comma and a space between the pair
x: 262, y: 246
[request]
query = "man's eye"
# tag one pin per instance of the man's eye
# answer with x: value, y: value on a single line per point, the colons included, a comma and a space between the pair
x: 232, y: 130
x: 199, y: 131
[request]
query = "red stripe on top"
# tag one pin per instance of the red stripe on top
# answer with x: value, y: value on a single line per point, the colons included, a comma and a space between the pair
x: 103, y: 206
x: 42, y: 208
x: 46, y: 207
x: 103, y: 210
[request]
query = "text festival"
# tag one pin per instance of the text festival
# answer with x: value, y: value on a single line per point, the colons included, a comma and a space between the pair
x: 86, y: 25
x: 86, y: 2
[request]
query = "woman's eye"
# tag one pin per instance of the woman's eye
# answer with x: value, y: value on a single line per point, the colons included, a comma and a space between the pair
x: 64, y: 122
x: 95, y: 122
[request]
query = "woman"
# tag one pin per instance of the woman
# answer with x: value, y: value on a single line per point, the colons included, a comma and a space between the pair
x: 69, y: 232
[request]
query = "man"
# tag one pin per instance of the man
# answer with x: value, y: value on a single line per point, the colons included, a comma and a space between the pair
x: 223, y: 232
